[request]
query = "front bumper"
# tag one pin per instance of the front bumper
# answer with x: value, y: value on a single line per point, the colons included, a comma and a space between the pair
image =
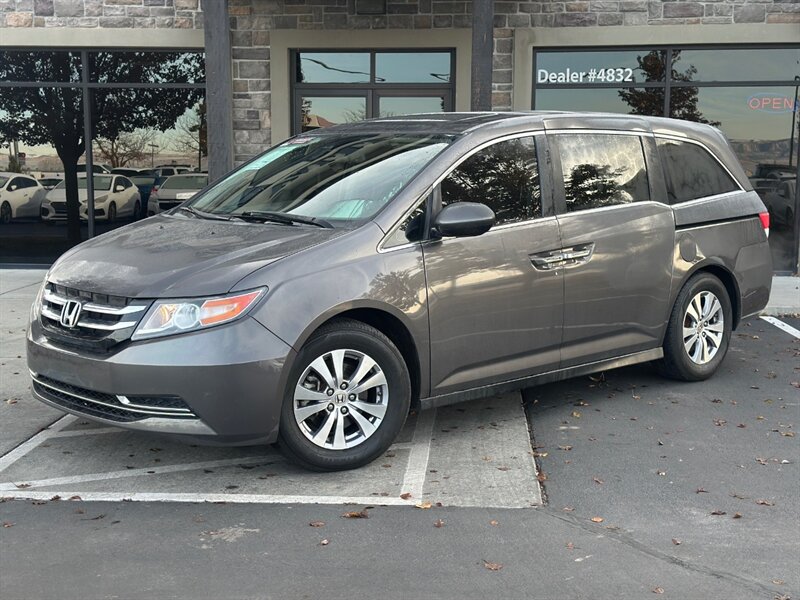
x: 228, y: 380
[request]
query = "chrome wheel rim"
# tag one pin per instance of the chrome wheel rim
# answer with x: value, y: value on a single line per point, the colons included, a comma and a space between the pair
x: 340, y: 399
x: 703, y: 328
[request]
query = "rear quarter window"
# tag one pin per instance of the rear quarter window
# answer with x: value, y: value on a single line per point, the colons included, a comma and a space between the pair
x: 692, y: 172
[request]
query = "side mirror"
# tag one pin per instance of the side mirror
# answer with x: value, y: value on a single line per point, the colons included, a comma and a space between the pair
x: 464, y: 219
x: 11, y: 188
x: 119, y: 188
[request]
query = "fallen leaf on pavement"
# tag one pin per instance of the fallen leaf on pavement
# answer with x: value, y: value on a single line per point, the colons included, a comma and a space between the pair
x: 405, y: 495
x: 22, y: 486
x: 576, y: 414
x: 761, y: 461
x: 567, y: 448
x: 676, y: 541
x: 8, y: 524
x: 719, y: 422
x: 597, y: 480
x: 570, y: 546
x: 717, y: 513
x: 763, y: 502
x: 493, y: 523
x: 492, y: 566
x: 737, y: 515
x: 778, y: 581
x: 503, y: 468
x: 597, y: 519
x: 74, y: 498
x: 424, y: 505
x: 662, y: 473
x: 541, y: 476
x: 787, y: 433
x: 356, y: 514
x: 438, y: 523
x: 324, y: 542
x: 658, y: 590
x: 701, y: 491
x: 317, y: 524
x: 568, y: 508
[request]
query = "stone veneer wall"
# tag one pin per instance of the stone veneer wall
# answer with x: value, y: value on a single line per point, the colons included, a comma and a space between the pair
x: 252, y: 20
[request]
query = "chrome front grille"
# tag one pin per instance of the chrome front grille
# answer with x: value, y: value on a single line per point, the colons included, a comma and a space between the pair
x: 123, y: 409
x: 103, y: 320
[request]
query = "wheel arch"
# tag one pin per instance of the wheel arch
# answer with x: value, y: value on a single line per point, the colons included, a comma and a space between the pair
x: 392, y: 326
x: 728, y: 279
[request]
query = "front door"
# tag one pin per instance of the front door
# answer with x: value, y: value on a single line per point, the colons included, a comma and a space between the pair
x: 495, y: 303
x: 617, y: 244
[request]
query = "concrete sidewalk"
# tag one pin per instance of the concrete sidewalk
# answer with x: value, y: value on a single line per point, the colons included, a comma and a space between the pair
x: 785, y: 297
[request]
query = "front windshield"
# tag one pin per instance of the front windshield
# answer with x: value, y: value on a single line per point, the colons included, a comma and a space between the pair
x: 102, y: 183
x: 185, y: 182
x: 335, y: 177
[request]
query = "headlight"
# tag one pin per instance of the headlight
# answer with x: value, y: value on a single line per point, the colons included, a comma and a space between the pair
x: 167, y: 317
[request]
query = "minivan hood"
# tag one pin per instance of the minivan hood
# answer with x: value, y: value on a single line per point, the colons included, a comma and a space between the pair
x: 172, y: 256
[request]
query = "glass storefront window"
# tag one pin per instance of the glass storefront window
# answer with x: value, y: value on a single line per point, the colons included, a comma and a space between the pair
x: 146, y: 67
x: 598, y: 67
x: 639, y: 101
x: 757, y: 108
x: 412, y: 67
x: 742, y: 64
x: 333, y: 67
x: 40, y: 66
x: 324, y: 111
x: 148, y: 130
x: 392, y: 106
x: 341, y: 87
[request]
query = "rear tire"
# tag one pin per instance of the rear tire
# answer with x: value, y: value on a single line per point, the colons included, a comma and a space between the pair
x: 347, y: 397
x: 699, y: 330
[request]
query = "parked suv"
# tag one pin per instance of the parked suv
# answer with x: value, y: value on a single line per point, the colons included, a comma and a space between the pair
x: 318, y: 292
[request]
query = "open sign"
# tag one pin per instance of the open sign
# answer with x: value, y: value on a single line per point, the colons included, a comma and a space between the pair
x: 772, y: 103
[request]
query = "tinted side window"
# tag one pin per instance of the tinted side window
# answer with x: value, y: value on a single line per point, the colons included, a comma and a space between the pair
x: 602, y: 170
x: 19, y: 182
x: 504, y: 176
x: 123, y: 181
x: 692, y: 172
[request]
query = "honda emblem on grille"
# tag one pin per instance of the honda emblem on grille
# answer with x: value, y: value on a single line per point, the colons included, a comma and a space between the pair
x: 70, y: 313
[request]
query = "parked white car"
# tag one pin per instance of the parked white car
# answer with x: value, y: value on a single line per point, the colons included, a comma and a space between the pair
x: 115, y: 197
x: 175, y: 190
x: 20, y: 196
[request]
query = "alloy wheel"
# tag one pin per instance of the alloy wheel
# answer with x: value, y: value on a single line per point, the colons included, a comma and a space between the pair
x: 340, y: 399
x: 703, y: 327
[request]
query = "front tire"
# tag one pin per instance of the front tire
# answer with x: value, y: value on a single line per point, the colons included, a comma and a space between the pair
x: 112, y: 213
x: 5, y: 213
x: 137, y: 211
x: 347, y: 397
x: 699, y: 330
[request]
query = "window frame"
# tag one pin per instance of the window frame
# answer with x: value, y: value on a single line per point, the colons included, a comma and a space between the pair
x: 373, y: 90
x: 655, y: 177
x: 433, y: 191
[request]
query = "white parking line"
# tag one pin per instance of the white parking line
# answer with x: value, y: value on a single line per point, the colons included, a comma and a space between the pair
x: 199, y: 498
x: 14, y: 455
x: 414, y: 478
x: 226, y: 462
x: 783, y: 326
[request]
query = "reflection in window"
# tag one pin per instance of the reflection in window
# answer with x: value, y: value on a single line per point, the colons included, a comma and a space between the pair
x: 650, y: 101
x: 412, y: 67
x: 40, y: 66
x: 391, y: 106
x: 321, y: 111
x: 344, y: 177
x: 333, y: 67
x: 602, y: 170
x: 504, y: 176
x: 742, y: 64
x: 147, y: 67
x: 412, y: 229
x: 692, y: 172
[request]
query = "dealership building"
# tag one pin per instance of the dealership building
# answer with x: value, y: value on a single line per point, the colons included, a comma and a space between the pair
x: 254, y: 72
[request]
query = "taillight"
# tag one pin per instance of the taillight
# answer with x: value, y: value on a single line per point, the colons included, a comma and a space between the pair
x: 764, y: 221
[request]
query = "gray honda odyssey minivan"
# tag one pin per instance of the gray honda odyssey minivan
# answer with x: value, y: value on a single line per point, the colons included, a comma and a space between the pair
x: 316, y: 294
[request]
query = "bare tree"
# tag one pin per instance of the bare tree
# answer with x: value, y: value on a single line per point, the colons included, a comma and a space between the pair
x: 126, y: 148
x: 192, y: 134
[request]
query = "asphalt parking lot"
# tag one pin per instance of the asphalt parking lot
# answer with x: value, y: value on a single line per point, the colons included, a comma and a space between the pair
x: 644, y: 488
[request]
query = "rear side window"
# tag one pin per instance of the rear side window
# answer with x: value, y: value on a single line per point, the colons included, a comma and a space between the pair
x: 692, y: 172
x: 504, y: 176
x: 602, y: 170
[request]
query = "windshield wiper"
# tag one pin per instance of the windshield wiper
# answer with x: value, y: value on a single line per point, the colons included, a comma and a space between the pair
x: 286, y: 219
x: 203, y: 215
